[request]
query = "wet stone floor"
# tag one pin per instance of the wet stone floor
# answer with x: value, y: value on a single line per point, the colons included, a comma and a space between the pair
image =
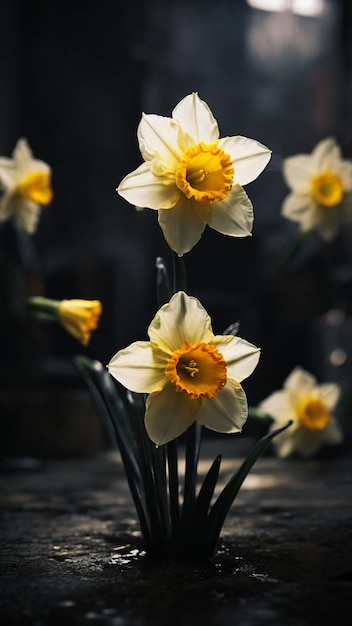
x: 71, y: 554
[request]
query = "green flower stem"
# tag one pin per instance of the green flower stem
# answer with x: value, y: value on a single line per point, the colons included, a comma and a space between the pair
x: 153, y: 484
x: 167, y: 532
x: 158, y: 460
x: 43, y: 307
x: 114, y: 415
x: 203, y: 502
x: 179, y: 273
x: 193, y: 440
x: 172, y: 461
x: 256, y: 413
x: 173, y: 525
x: 209, y: 534
x: 162, y: 282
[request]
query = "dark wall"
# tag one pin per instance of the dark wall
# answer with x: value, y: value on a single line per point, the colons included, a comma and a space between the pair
x: 75, y: 78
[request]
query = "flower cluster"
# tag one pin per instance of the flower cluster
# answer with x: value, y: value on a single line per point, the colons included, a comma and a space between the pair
x: 185, y: 377
x: 192, y: 178
x: 25, y: 186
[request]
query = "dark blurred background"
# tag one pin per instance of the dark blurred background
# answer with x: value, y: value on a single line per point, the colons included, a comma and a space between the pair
x: 75, y: 78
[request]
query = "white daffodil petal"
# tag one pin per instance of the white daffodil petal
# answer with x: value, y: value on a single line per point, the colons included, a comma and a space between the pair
x: 25, y: 163
x: 284, y: 443
x: 181, y: 226
x: 301, y: 209
x: 330, y: 394
x: 297, y: 171
x: 168, y: 415
x: 345, y: 173
x: 196, y: 118
x: 36, y: 166
x: 233, y: 216
x: 157, y: 137
x: 300, y: 379
x: 8, y: 174
x: 241, y: 357
x: 137, y: 368
x: 184, y: 140
x: 278, y: 406
x: 5, y: 207
x: 325, y: 154
x: 25, y: 213
x: 182, y: 318
x: 22, y: 152
x: 249, y: 157
x: 143, y: 189
x: 333, y: 433
x: 227, y: 411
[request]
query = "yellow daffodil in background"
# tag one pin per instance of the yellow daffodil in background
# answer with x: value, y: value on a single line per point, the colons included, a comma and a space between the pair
x: 25, y: 184
x: 321, y: 189
x: 192, y: 177
x: 190, y: 373
x: 310, y: 406
x: 78, y: 317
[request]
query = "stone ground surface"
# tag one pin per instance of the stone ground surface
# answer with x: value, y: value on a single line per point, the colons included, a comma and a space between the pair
x: 69, y: 545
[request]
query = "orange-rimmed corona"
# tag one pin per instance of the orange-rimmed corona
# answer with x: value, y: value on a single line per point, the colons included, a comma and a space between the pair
x: 197, y: 371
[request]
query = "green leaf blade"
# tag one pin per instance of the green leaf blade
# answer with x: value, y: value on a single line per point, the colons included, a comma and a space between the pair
x: 222, y: 505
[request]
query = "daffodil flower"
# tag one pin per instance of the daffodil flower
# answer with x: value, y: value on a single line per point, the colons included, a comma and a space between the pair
x: 311, y: 408
x: 321, y: 189
x: 189, y: 373
x: 192, y: 177
x: 25, y: 184
x: 78, y: 317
